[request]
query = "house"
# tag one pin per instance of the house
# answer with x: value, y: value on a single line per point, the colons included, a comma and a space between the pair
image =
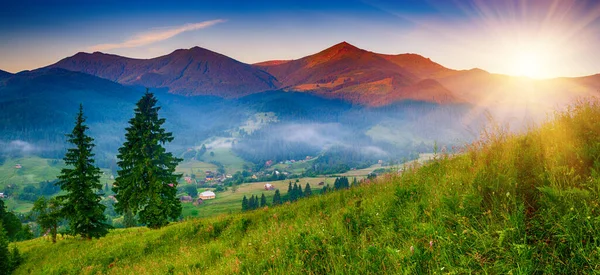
x: 207, y: 195
x: 2, y: 196
x: 269, y: 186
x: 254, y: 177
x: 199, y: 201
x: 186, y: 199
x: 269, y: 163
x: 18, y: 166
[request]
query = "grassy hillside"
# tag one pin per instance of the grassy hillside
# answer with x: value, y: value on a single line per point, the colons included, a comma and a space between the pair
x: 507, y: 204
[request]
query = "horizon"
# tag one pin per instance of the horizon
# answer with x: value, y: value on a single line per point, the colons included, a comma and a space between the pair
x: 535, y: 39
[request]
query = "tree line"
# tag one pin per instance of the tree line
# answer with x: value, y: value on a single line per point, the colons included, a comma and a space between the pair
x: 295, y: 192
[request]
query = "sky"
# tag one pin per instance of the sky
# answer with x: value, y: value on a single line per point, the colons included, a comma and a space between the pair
x: 535, y: 38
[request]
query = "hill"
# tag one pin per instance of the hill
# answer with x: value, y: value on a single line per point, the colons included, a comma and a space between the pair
x: 509, y: 203
x: 190, y: 72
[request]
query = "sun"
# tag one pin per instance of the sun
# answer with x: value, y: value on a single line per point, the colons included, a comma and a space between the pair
x: 530, y: 63
x: 527, y: 64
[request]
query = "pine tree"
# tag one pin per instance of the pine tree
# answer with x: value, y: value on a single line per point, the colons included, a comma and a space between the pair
x: 146, y: 184
x: 81, y: 182
x: 245, y: 203
x: 263, y: 200
x: 5, y: 259
x: 252, y: 202
x: 307, y: 190
x: 290, y: 191
x: 277, y: 197
x: 48, y: 215
x: 298, y: 191
x: 354, y: 182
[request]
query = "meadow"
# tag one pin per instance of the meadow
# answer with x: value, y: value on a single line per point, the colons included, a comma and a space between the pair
x: 508, y: 203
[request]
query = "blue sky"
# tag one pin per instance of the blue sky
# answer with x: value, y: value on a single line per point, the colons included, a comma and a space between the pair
x: 537, y: 38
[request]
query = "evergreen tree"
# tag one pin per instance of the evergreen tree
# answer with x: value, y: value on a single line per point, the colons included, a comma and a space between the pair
x: 81, y: 182
x: 277, y: 197
x: 290, y: 191
x: 5, y: 259
x: 293, y: 193
x: 245, y: 203
x: 307, y: 190
x: 48, y: 214
x: 146, y: 184
x: 252, y: 202
x: 263, y: 200
x: 354, y: 182
x: 298, y: 191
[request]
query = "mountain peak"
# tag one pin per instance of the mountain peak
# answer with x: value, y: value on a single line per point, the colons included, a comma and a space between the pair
x: 343, y: 46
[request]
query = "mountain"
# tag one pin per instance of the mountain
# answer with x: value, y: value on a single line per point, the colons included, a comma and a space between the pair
x: 4, y: 74
x: 39, y: 107
x: 190, y: 72
x: 346, y: 72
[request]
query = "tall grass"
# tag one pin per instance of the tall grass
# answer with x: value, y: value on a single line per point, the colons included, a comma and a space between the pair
x: 509, y: 203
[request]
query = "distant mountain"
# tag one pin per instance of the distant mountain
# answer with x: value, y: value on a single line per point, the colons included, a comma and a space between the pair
x: 191, y: 72
x: 39, y: 107
x: 352, y: 74
x: 4, y: 74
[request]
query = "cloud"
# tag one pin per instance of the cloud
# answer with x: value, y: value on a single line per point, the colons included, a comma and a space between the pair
x: 17, y: 146
x: 155, y: 36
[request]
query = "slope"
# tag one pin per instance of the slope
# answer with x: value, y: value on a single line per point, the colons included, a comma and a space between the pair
x: 194, y: 71
x: 507, y: 204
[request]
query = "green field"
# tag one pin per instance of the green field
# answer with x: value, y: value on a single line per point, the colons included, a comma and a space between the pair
x: 198, y: 168
x: 508, y: 204
x: 226, y: 157
x: 228, y: 202
x: 34, y: 170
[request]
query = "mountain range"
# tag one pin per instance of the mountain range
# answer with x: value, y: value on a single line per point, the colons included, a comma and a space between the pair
x: 342, y: 96
x: 342, y: 71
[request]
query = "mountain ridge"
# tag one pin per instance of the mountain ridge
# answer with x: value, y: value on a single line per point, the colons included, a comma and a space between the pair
x: 195, y: 71
x: 342, y: 71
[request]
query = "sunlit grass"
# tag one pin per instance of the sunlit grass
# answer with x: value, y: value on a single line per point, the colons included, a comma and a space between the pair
x: 517, y: 204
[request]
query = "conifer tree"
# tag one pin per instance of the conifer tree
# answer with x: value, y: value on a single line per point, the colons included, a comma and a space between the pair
x: 5, y: 259
x: 146, y: 184
x: 263, y: 200
x: 245, y: 203
x: 81, y: 182
x: 307, y: 190
x: 290, y: 191
x: 298, y: 191
x: 277, y: 197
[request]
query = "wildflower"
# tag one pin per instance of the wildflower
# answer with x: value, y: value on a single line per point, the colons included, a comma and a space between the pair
x: 412, y: 249
x: 431, y: 244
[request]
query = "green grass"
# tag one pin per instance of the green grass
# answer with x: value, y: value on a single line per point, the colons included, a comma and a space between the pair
x: 34, y: 170
x: 507, y: 204
x: 225, y: 156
